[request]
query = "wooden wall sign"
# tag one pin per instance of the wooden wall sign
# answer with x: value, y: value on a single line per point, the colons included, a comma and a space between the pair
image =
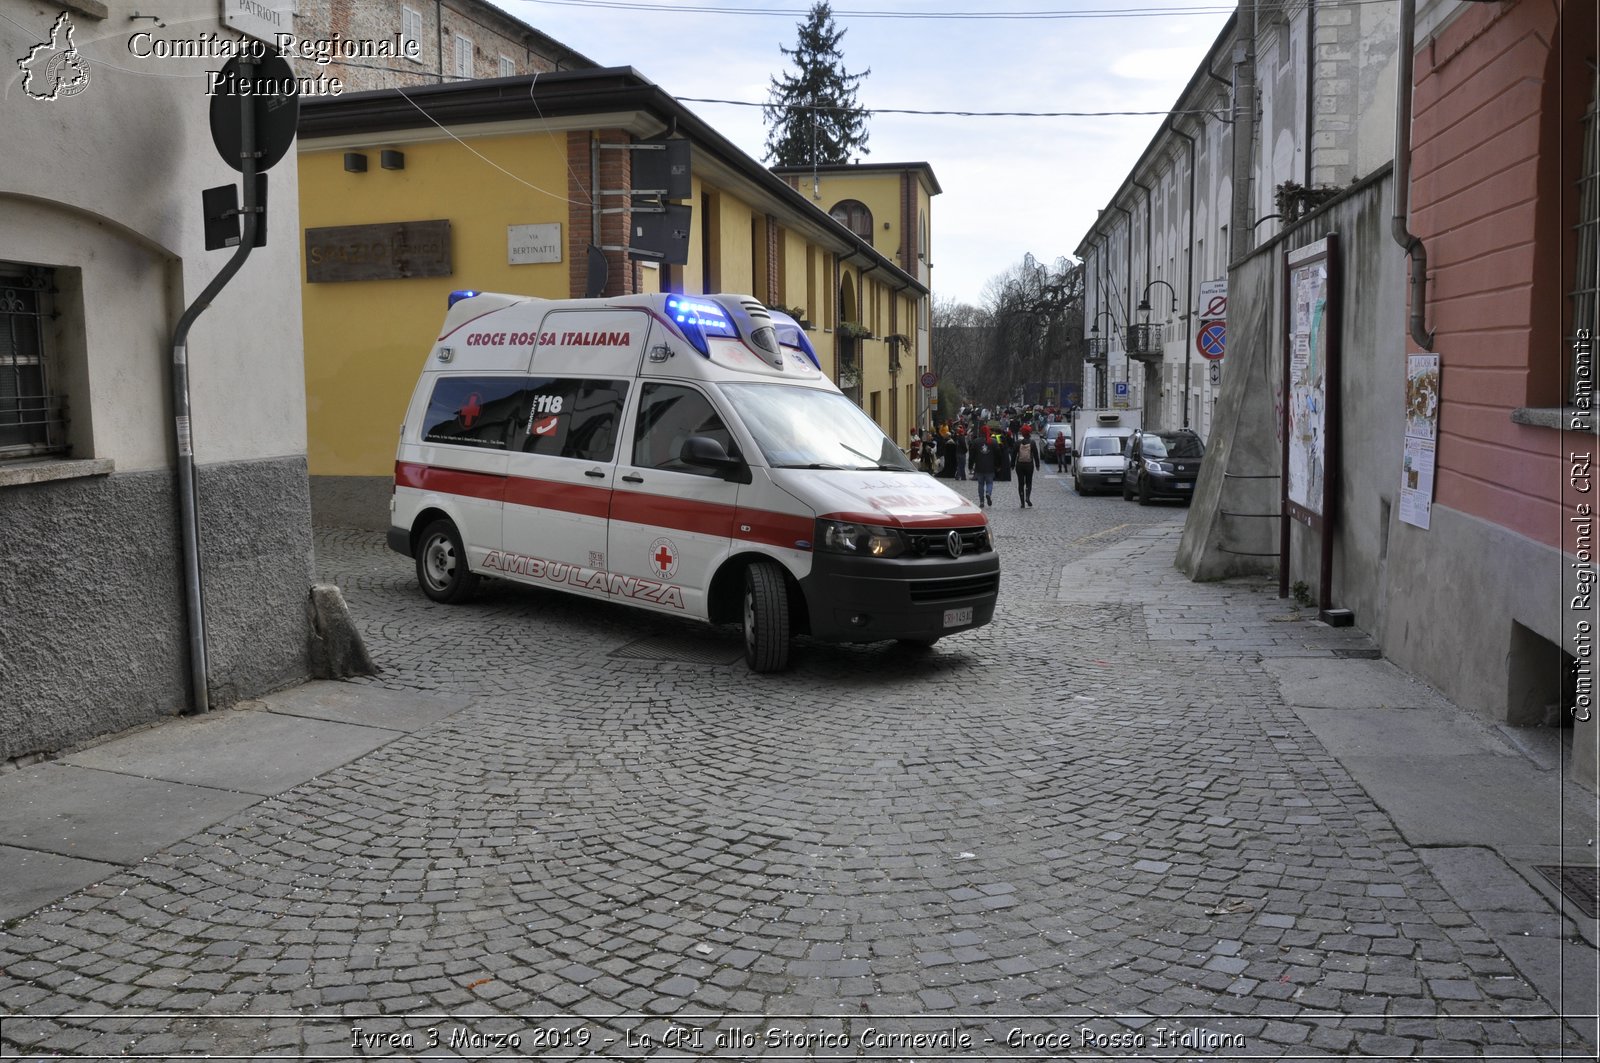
x: 390, y: 251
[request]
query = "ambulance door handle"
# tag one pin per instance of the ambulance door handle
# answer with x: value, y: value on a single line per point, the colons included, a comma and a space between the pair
x: 633, y: 478
x: 598, y: 474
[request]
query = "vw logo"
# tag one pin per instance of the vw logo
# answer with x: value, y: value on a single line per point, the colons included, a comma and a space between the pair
x: 952, y: 543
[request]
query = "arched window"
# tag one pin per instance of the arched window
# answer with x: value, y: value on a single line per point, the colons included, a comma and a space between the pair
x: 855, y: 216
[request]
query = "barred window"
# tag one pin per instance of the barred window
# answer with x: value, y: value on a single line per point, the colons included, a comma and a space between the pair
x: 30, y: 413
x: 1586, y: 277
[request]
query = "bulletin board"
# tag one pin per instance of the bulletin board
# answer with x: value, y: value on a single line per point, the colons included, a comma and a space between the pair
x: 1312, y: 285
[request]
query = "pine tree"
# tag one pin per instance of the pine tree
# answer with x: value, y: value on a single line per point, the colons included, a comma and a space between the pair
x: 812, y: 115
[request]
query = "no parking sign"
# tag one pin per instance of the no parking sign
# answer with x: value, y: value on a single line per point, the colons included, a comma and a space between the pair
x: 1212, y: 342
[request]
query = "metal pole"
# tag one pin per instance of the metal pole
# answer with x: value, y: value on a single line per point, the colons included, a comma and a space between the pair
x: 1191, y: 297
x: 199, y: 670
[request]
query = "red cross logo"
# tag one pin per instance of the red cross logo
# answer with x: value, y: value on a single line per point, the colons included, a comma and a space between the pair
x: 470, y: 411
x: 664, y: 558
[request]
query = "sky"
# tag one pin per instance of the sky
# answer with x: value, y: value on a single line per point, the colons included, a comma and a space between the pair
x: 1012, y: 185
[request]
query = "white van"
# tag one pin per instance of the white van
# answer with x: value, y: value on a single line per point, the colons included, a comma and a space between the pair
x: 1100, y: 448
x: 684, y: 454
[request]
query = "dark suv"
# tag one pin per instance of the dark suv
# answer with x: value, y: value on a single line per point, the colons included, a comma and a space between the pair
x: 1162, y: 465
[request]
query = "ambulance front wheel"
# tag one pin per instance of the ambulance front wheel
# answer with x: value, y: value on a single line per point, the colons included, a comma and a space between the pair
x: 766, y: 617
x: 442, y: 564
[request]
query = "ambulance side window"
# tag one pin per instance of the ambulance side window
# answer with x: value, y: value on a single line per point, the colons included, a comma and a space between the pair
x: 596, y: 419
x: 669, y: 414
x: 570, y: 418
x: 473, y: 411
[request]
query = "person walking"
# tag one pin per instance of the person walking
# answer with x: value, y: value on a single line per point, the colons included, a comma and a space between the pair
x: 1061, y: 452
x: 1027, y: 459
x: 961, y: 452
x: 985, y: 452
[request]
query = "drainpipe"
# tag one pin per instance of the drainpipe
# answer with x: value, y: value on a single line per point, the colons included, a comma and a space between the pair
x: 1402, y: 180
x: 1190, y: 294
x: 438, y: 26
x: 1311, y: 82
x: 1127, y: 310
x: 1147, y: 219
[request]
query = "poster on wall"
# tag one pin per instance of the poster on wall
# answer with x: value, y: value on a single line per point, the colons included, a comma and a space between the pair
x: 1307, y: 386
x: 1421, y: 441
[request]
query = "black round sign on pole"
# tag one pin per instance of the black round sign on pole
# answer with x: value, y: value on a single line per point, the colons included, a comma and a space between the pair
x: 276, y: 95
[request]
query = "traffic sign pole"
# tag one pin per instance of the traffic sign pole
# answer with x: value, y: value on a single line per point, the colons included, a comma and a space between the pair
x: 249, y: 154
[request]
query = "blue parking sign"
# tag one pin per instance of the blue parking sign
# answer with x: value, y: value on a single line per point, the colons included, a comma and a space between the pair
x: 1119, y: 388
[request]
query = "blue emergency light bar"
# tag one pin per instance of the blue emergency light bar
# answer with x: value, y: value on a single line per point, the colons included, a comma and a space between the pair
x: 791, y: 335
x: 458, y: 295
x: 699, y: 318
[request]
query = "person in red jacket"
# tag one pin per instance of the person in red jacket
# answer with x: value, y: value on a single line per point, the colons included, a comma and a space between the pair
x: 1061, y: 452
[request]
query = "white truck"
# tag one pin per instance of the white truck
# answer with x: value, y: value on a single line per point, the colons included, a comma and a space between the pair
x: 1099, y: 447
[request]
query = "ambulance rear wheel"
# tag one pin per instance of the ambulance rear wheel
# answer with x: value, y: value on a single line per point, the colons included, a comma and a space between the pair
x: 442, y: 564
x: 766, y: 617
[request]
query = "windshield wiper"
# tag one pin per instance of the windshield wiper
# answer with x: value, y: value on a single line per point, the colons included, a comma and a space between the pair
x: 813, y: 465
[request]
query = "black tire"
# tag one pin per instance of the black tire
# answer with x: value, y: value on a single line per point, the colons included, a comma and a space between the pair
x: 1144, y: 491
x: 442, y: 564
x: 1077, y: 485
x: 766, y: 617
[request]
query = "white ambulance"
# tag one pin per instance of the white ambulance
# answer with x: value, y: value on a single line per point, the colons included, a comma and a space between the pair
x: 684, y: 454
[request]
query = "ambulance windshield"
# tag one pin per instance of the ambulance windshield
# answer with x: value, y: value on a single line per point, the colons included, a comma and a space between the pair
x: 804, y: 428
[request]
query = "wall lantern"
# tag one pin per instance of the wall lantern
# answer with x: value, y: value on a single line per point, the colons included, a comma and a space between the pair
x: 355, y: 162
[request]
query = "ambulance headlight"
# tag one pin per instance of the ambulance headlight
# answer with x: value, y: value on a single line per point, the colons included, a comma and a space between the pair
x: 862, y: 540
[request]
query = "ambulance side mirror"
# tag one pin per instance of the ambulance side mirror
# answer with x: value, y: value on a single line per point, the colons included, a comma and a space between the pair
x: 706, y: 453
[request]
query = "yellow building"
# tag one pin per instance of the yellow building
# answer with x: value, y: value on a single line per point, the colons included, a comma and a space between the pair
x: 407, y: 195
x: 890, y: 206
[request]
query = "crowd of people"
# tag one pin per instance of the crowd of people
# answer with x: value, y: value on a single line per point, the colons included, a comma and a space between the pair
x: 986, y: 444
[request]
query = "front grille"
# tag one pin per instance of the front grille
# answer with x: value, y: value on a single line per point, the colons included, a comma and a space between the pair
x: 924, y: 541
x: 944, y: 590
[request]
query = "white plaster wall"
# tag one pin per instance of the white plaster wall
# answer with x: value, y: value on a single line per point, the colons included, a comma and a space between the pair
x: 124, y: 163
x: 1378, y: 48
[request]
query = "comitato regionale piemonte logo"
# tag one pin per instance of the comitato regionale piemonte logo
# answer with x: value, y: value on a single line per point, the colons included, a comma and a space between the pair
x: 53, y: 70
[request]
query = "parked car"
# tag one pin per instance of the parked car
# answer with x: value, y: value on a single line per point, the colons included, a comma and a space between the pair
x: 1162, y: 465
x: 1047, y: 440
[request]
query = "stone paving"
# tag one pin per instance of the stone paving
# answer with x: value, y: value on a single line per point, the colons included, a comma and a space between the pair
x: 1091, y: 829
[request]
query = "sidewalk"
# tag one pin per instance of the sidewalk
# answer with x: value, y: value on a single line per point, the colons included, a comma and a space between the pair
x: 1487, y: 806
x: 67, y: 823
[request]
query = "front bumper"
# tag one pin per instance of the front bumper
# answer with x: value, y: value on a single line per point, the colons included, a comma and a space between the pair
x: 1100, y: 479
x: 868, y: 599
x: 399, y: 540
x: 1168, y: 486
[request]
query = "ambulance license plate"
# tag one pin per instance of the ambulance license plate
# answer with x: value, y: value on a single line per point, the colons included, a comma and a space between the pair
x: 957, y: 617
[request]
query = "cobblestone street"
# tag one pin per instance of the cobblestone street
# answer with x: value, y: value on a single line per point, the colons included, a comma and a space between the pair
x: 1092, y: 828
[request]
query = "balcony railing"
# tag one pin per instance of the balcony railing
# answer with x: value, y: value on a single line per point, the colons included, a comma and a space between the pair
x: 1144, y: 341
